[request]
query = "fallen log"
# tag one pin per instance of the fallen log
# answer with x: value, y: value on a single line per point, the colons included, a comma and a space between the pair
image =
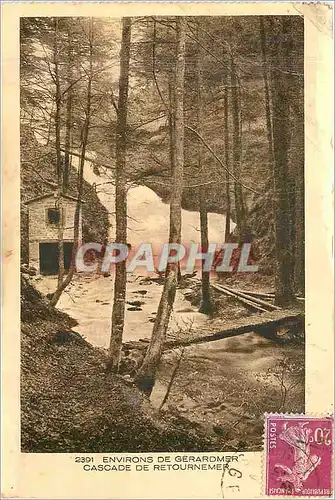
x: 268, y: 295
x: 255, y: 323
x: 265, y: 295
x: 255, y: 299
x: 258, y: 323
x: 139, y: 345
x: 244, y: 300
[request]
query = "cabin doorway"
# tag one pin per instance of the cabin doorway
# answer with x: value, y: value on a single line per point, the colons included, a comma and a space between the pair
x: 49, y: 257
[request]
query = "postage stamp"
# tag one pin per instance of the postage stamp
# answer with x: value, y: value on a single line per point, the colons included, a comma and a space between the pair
x: 299, y: 455
x: 167, y: 208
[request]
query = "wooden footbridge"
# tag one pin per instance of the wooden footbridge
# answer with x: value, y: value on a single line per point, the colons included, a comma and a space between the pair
x: 265, y: 324
x: 266, y: 321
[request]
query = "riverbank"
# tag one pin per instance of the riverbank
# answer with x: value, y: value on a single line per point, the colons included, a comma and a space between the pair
x: 226, y: 386
x: 223, y: 388
x: 217, y: 392
x: 69, y: 403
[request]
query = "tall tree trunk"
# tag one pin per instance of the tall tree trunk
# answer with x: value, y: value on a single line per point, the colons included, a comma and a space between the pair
x: 84, y: 140
x: 146, y: 376
x: 226, y: 150
x: 281, y: 124
x: 206, y: 305
x: 266, y: 93
x: 120, y: 280
x: 299, y: 264
x: 171, y: 123
x: 68, y: 120
x: 59, y: 169
x: 294, y: 65
x: 237, y: 152
x: 288, y: 67
x: 172, y: 136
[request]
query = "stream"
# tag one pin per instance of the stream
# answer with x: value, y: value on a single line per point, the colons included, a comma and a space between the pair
x: 88, y: 299
x: 224, y: 386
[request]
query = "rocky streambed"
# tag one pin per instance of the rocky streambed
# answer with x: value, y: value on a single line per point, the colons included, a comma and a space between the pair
x: 224, y: 387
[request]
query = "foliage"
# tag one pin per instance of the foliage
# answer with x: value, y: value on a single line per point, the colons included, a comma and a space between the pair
x: 151, y: 75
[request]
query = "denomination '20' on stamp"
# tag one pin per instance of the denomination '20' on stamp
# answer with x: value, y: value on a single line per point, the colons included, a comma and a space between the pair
x: 298, y: 455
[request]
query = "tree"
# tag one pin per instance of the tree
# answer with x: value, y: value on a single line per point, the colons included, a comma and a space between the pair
x: 230, y: 154
x: 295, y: 63
x: 299, y: 159
x: 84, y: 140
x: 68, y: 120
x: 120, y: 280
x: 240, y: 208
x: 226, y: 144
x: 281, y: 121
x: 59, y: 170
x: 206, y: 305
x: 145, y: 378
x: 265, y: 68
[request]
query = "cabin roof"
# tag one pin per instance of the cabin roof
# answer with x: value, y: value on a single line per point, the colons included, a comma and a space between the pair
x: 52, y: 195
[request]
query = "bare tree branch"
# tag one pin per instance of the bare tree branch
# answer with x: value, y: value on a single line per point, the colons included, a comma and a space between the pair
x: 219, y: 160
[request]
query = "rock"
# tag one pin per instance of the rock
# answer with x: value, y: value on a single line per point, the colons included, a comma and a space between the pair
x: 30, y: 270
x: 145, y: 281
x: 134, y: 309
x: 182, y: 409
x: 283, y: 334
x: 185, y: 310
x: 135, y: 303
x: 131, y: 360
x: 213, y: 404
x: 218, y: 430
x: 61, y: 337
x: 141, y: 292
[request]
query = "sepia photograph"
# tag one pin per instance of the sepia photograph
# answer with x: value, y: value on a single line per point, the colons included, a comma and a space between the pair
x: 162, y: 231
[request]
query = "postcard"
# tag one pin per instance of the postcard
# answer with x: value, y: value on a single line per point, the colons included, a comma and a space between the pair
x: 168, y: 273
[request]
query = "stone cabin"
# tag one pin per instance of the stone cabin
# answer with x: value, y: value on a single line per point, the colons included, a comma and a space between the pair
x: 43, y: 222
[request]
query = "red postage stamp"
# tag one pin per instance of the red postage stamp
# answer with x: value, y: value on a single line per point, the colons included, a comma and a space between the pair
x: 299, y: 455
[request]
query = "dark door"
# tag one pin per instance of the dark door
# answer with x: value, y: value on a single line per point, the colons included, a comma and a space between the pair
x: 67, y: 255
x: 49, y: 257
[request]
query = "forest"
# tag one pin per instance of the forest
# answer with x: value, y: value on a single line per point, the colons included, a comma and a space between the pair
x: 207, y: 112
